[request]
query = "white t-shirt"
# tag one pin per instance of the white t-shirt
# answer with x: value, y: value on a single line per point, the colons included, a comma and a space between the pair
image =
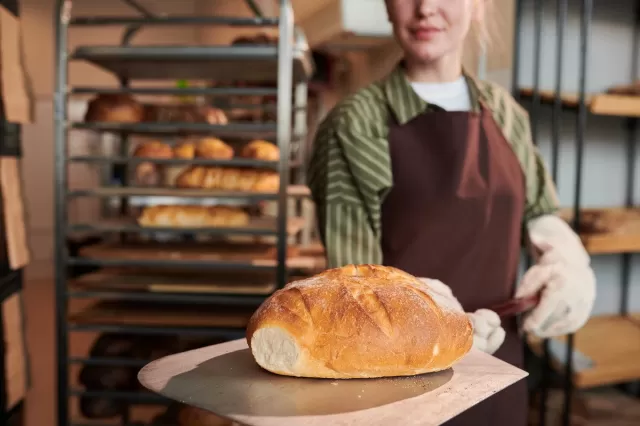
x: 453, y: 96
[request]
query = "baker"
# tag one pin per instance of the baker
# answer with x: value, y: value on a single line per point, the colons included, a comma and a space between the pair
x: 434, y: 172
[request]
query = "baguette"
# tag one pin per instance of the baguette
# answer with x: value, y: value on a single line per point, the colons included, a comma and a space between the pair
x: 193, y: 217
x: 229, y: 179
x: 358, y: 322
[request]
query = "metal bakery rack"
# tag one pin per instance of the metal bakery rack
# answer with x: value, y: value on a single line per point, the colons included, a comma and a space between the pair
x: 584, y: 360
x: 170, y: 291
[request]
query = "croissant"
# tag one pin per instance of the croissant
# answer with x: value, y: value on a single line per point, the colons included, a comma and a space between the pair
x: 193, y: 217
x: 229, y: 179
x: 261, y: 150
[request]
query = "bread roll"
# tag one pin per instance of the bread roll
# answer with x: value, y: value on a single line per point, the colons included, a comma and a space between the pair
x: 229, y: 179
x: 148, y: 173
x: 261, y: 150
x: 213, y: 148
x: 184, y: 113
x: 358, y: 322
x: 119, y: 108
x: 193, y: 217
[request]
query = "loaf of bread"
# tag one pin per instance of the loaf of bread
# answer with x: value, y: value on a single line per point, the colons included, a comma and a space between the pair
x: 149, y: 173
x: 117, y: 108
x: 358, y: 322
x: 229, y: 179
x: 184, y: 114
x: 193, y: 217
x: 261, y: 150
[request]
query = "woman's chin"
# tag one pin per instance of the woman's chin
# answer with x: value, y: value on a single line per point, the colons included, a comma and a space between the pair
x: 425, y: 53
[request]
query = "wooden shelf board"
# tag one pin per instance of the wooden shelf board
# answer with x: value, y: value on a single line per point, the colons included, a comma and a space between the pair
x: 599, y: 104
x: 624, y: 236
x: 612, y: 343
x: 161, y: 315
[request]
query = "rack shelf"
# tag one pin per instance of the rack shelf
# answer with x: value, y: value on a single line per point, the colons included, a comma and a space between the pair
x: 256, y: 226
x: 184, y: 196
x: 235, y: 162
x: 599, y: 104
x: 231, y: 130
x: 612, y: 343
x: 209, y: 255
x: 617, y: 230
x: 162, y: 315
x: 221, y: 63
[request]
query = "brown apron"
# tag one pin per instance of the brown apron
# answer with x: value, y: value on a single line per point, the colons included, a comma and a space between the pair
x: 454, y: 214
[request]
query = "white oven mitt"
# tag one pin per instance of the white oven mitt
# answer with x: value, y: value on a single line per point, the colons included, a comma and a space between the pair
x: 564, y: 277
x: 488, y: 334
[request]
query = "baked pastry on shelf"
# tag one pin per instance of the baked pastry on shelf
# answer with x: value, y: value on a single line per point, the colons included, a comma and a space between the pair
x: 114, y: 108
x: 213, y: 148
x: 149, y: 173
x: 184, y: 114
x: 193, y: 217
x: 229, y: 179
x: 261, y: 150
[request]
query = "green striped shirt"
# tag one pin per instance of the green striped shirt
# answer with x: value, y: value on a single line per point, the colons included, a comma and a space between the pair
x: 350, y: 168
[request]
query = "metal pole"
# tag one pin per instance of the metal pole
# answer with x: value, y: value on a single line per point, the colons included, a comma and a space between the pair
x: 62, y: 16
x: 537, y: 59
x: 515, y: 76
x: 585, y: 28
x: 300, y: 130
x: 561, y: 20
x: 285, y: 82
x: 632, y: 136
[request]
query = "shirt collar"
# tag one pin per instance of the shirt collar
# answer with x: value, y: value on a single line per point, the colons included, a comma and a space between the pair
x: 405, y: 103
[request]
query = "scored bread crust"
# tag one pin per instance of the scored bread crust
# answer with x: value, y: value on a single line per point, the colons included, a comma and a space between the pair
x: 361, y: 321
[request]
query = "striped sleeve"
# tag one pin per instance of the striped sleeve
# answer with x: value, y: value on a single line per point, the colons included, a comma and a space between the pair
x: 349, y: 232
x: 541, y: 195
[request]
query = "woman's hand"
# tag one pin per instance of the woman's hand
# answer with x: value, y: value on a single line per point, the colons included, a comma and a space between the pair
x: 488, y: 334
x: 562, y: 275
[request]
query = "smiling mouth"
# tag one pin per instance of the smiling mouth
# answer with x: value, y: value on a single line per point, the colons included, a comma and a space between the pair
x: 426, y: 33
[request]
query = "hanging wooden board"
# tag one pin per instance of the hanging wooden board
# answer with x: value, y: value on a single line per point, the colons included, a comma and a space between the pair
x: 225, y: 380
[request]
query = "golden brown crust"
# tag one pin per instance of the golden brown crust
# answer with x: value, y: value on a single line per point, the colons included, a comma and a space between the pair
x: 261, y: 150
x: 153, y: 149
x: 213, y: 148
x: 185, y: 150
x: 193, y: 217
x: 365, y: 321
x: 229, y: 179
x: 117, y: 108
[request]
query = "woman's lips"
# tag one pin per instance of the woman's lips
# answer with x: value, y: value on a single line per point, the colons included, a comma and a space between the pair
x: 423, y: 34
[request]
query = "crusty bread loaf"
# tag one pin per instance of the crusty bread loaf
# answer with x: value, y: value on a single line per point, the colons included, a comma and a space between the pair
x: 149, y: 173
x: 118, y: 108
x: 358, y: 322
x: 193, y: 217
x: 229, y: 179
x: 213, y: 148
x: 261, y: 150
x: 184, y: 113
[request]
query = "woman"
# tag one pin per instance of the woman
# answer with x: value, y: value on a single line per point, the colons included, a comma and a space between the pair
x: 435, y: 173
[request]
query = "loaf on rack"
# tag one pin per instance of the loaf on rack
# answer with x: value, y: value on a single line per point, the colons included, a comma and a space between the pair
x: 260, y: 39
x: 118, y: 108
x: 193, y: 217
x: 229, y: 179
x: 211, y: 148
x: 184, y: 114
x: 261, y: 150
x: 358, y: 322
x: 149, y: 173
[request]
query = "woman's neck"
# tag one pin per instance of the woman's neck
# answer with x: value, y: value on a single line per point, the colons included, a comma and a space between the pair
x: 444, y: 70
